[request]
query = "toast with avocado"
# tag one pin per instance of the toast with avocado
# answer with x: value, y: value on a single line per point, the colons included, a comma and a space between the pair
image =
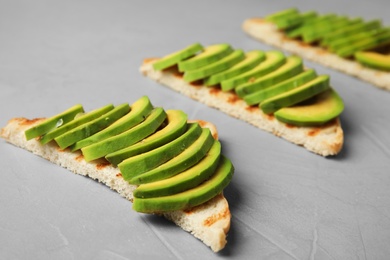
x: 158, y: 159
x: 267, y: 89
x: 355, y: 46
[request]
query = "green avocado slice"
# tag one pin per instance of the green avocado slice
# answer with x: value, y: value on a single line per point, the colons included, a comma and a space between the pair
x: 54, y: 122
x: 286, y: 85
x: 141, y: 163
x: 139, y: 111
x: 318, y: 110
x: 373, y: 59
x: 296, y: 95
x: 210, y: 54
x: 185, y: 180
x: 252, y: 58
x: 214, y: 67
x: 349, y: 31
x: 273, y: 60
x: 175, y: 126
x: 285, y: 19
x: 316, y: 33
x: 174, y: 58
x: 88, y: 129
x: 129, y: 137
x: 190, y: 156
x: 292, y: 67
x: 79, y: 120
x: 192, y: 197
x: 376, y: 39
x: 306, y: 18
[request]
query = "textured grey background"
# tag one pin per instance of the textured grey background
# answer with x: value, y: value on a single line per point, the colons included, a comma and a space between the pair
x: 287, y: 203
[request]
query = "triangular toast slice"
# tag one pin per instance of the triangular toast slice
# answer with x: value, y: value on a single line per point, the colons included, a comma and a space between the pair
x: 325, y: 140
x: 267, y: 32
x: 209, y: 222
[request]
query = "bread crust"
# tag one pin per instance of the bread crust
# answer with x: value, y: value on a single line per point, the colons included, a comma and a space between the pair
x: 209, y: 222
x: 324, y: 140
x: 268, y: 33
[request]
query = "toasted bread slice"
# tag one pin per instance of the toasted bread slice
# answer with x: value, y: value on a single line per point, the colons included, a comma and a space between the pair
x: 209, y: 222
x: 324, y: 140
x: 268, y: 33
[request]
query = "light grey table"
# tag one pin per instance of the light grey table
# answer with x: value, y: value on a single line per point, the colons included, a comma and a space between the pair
x: 287, y: 203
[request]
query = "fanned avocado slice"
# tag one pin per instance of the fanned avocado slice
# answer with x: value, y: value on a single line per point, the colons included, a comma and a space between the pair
x: 376, y: 39
x: 210, y: 54
x: 94, y: 126
x: 286, y: 85
x: 214, y: 67
x: 79, y: 120
x: 142, y: 163
x: 139, y: 111
x: 296, y: 95
x: 306, y: 18
x: 252, y: 58
x: 346, y: 33
x: 176, y: 57
x: 175, y: 126
x: 292, y: 67
x: 54, y: 122
x: 273, y: 60
x: 189, y: 157
x: 129, y: 137
x: 192, y: 197
x: 316, y: 111
x: 185, y: 180
x: 374, y: 59
x: 286, y: 18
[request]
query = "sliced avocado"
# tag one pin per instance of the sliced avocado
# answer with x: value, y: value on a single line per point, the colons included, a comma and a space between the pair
x: 210, y: 54
x: 129, y: 137
x: 347, y: 41
x: 139, y: 111
x: 373, y: 59
x: 346, y: 32
x: 292, y: 67
x: 141, y: 163
x: 306, y: 18
x: 252, y: 58
x: 315, y: 22
x: 296, y: 95
x: 88, y: 129
x: 286, y: 85
x: 214, y: 67
x: 281, y: 14
x: 192, y: 197
x: 175, y: 126
x: 273, y: 60
x: 285, y: 19
x: 54, y: 122
x: 316, y: 111
x: 174, y: 58
x: 377, y: 39
x: 79, y: 120
x: 185, y: 180
x: 190, y: 156
x: 318, y: 33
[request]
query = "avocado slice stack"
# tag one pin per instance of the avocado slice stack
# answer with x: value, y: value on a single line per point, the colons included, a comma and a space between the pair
x: 267, y: 79
x: 352, y: 38
x: 175, y: 164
